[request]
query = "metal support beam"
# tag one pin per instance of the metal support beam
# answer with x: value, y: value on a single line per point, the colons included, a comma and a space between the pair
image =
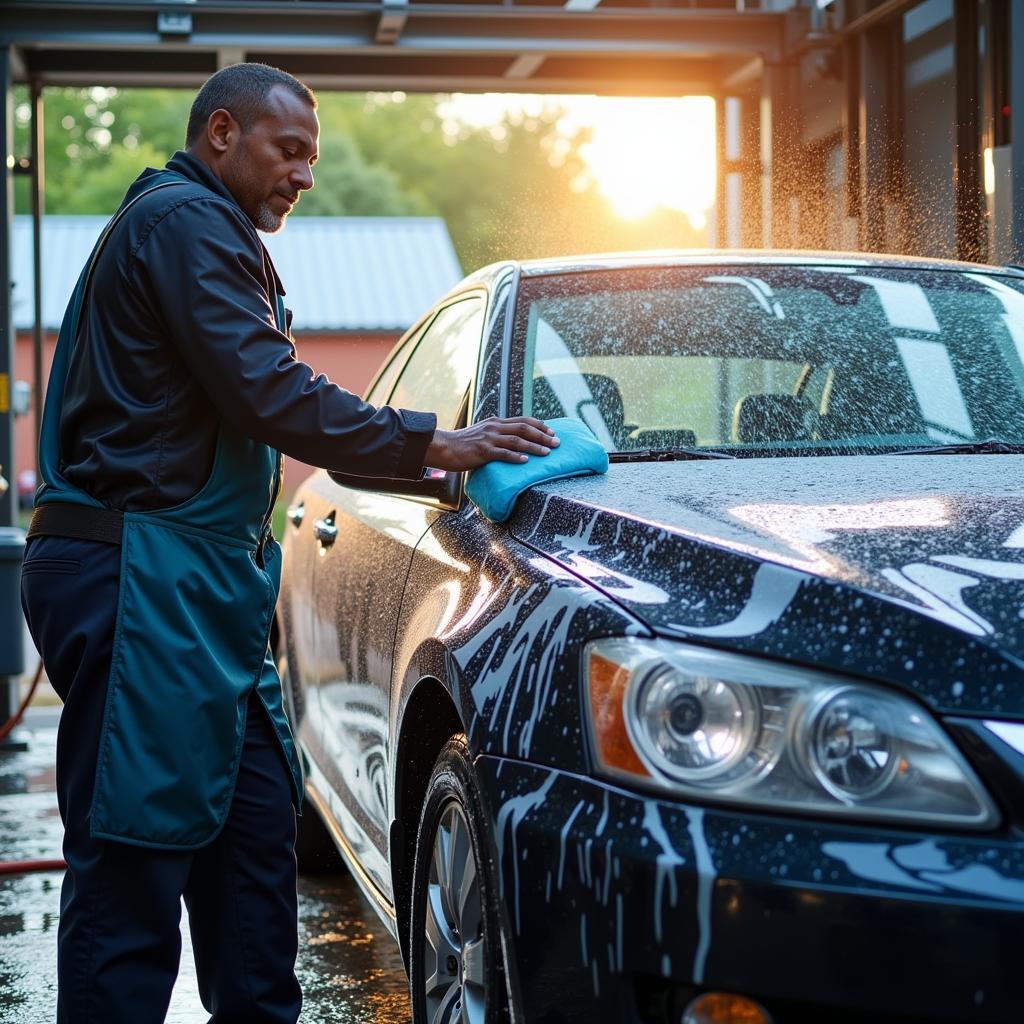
x: 746, y: 76
x: 8, y: 502
x: 525, y: 66
x: 38, y: 206
x: 875, y: 134
x: 228, y: 55
x: 391, y: 22
x: 98, y: 30
x: 1017, y: 126
x: 780, y: 155
x: 879, y: 13
x: 752, y: 234
x: 720, y: 211
x: 851, y: 125
x: 967, y: 184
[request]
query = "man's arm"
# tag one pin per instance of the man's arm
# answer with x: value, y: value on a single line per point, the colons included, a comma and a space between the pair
x: 203, y: 267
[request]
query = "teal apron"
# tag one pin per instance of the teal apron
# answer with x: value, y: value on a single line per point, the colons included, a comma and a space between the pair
x: 199, y: 583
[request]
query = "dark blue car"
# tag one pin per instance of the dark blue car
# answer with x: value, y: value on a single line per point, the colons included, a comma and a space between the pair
x: 733, y: 733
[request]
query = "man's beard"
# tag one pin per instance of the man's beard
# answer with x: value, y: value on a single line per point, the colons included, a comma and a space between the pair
x: 266, y: 220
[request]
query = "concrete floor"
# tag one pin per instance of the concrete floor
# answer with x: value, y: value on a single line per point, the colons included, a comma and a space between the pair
x: 350, y: 968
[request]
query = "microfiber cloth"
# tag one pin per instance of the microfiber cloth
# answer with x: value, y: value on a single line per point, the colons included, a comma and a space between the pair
x: 494, y: 487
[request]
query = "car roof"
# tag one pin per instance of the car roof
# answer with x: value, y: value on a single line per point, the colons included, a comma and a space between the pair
x: 733, y: 257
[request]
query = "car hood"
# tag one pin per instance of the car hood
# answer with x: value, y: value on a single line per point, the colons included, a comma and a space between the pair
x: 891, y: 566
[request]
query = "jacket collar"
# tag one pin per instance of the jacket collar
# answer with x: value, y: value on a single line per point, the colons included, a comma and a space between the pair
x: 194, y: 169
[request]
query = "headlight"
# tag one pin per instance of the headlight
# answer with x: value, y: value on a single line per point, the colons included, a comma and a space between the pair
x: 725, y: 727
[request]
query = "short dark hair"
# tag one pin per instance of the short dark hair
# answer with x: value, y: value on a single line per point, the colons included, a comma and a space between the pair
x: 242, y: 90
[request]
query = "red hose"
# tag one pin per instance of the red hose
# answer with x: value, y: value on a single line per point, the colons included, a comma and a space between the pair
x: 21, y: 867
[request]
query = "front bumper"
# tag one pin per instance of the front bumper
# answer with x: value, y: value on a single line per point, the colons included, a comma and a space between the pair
x: 619, y: 907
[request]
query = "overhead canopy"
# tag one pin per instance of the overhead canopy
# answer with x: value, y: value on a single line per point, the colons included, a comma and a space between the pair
x: 643, y: 47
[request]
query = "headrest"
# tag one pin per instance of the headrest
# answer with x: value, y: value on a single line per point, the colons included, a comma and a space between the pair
x: 495, y: 487
x: 761, y: 418
x: 564, y: 394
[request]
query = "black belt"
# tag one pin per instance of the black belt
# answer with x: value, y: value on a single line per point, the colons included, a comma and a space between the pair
x: 82, y: 522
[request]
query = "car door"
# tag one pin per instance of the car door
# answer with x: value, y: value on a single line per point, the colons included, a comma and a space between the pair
x: 309, y: 619
x: 361, y: 574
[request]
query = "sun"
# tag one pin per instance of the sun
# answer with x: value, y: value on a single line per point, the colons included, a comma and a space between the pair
x: 650, y: 153
x: 645, y: 153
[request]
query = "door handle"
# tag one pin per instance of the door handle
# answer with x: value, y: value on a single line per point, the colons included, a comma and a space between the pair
x: 296, y: 513
x: 325, y: 530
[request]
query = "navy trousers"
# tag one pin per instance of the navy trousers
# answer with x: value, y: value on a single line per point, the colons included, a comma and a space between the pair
x: 119, y: 942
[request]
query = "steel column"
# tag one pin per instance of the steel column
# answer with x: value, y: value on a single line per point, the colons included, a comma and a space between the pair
x: 781, y: 143
x: 1017, y: 126
x: 720, y: 209
x: 970, y: 209
x: 875, y: 134
x: 37, y: 188
x: 751, y: 200
x: 851, y: 124
x: 732, y: 172
x: 8, y: 502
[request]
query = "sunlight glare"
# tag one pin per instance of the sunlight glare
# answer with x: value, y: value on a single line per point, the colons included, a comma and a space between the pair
x: 648, y: 153
x: 645, y: 153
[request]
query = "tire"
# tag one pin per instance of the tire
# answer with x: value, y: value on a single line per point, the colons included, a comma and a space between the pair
x: 456, y: 973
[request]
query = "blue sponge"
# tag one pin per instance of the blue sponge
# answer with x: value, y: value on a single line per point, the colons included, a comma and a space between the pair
x: 494, y: 488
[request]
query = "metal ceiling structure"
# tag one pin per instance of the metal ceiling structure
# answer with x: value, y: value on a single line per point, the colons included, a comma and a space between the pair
x: 641, y: 47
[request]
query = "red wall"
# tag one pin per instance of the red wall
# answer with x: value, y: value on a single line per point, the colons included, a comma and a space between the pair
x: 25, y: 426
x: 349, y: 360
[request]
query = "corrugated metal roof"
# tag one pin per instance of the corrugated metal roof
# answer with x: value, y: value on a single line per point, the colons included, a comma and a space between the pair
x: 341, y: 273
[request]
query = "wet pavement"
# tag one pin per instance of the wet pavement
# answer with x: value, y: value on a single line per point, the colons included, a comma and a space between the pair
x: 350, y: 968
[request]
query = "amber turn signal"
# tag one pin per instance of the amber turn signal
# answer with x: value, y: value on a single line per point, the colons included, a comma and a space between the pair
x: 608, y: 681
x: 724, y: 1008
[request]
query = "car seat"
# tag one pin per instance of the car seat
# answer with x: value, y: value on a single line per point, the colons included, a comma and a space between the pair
x: 768, y: 417
x: 605, y: 399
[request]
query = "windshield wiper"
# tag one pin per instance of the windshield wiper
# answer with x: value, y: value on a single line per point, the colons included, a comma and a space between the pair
x: 990, y: 446
x: 667, y: 455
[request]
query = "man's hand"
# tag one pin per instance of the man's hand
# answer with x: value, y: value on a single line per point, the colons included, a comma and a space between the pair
x: 510, y: 440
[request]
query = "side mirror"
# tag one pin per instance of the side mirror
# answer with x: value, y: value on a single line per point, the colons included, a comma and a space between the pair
x: 435, y: 485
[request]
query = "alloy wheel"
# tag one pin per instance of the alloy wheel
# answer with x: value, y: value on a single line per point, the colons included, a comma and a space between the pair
x: 453, y: 953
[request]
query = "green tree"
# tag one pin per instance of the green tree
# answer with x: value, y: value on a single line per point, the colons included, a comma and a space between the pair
x: 515, y: 189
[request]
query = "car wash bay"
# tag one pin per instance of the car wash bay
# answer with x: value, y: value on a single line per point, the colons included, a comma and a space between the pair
x: 879, y: 126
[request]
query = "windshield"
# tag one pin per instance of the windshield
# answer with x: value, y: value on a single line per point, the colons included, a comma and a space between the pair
x: 773, y: 359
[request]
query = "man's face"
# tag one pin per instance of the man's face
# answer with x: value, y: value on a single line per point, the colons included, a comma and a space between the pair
x: 268, y: 166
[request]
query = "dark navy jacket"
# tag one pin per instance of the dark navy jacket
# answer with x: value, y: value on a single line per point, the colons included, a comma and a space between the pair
x: 178, y: 333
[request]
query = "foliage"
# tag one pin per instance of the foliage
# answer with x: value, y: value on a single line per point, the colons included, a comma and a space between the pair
x: 515, y: 189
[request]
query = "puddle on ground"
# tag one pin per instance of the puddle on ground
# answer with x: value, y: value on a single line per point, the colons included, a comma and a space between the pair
x: 349, y: 966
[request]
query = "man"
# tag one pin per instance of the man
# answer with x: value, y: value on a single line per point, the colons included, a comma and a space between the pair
x: 150, y: 576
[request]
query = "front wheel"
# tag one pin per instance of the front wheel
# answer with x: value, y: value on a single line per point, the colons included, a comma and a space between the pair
x: 456, y: 973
